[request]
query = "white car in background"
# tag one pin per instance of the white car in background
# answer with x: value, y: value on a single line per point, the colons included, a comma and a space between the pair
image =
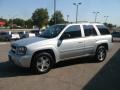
x: 31, y: 34
x: 15, y: 36
x: 34, y: 33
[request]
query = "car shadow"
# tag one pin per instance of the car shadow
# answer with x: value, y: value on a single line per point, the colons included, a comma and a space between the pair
x: 71, y: 62
x: 8, y: 69
x: 108, y: 78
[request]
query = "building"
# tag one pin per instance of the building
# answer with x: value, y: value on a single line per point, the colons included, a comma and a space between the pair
x: 2, y: 23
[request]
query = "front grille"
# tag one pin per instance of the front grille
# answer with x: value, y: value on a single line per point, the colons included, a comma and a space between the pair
x: 13, y: 48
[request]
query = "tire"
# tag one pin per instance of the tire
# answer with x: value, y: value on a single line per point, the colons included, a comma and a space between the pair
x: 100, y: 53
x: 42, y: 63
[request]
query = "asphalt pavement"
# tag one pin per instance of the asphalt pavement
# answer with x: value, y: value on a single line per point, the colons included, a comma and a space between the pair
x: 77, y: 74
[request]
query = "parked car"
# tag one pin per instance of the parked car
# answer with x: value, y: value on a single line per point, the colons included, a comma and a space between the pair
x: 61, y: 42
x: 15, y: 36
x: 31, y: 34
x: 116, y: 34
x: 5, y: 36
x: 36, y: 32
x: 23, y: 34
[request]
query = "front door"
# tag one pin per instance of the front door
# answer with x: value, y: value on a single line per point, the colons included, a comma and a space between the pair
x: 72, y: 45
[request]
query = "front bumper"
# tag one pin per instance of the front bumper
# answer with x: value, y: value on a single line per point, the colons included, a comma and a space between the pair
x: 22, y: 61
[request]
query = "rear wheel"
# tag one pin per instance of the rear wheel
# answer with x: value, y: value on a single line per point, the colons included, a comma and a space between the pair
x: 42, y: 63
x: 101, y: 53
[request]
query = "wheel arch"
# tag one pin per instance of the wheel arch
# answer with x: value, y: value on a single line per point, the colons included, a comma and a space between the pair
x: 103, y: 44
x: 97, y: 50
x: 50, y: 51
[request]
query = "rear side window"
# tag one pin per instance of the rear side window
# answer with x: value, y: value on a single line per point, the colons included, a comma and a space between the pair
x: 89, y: 30
x: 103, y: 30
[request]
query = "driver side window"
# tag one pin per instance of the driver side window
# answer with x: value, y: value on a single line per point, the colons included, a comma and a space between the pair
x: 72, y: 32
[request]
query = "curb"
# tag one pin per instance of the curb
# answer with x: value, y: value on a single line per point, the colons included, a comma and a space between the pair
x: 2, y: 43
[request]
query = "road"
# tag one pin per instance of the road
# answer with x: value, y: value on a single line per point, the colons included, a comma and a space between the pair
x: 78, y: 74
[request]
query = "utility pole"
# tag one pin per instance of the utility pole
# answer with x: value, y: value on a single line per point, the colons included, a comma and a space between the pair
x: 67, y: 18
x: 12, y: 23
x: 54, y: 11
x: 106, y: 18
x: 77, y: 5
x: 96, y: 14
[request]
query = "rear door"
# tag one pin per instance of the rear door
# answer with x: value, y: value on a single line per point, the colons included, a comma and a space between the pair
x: 90, y: 38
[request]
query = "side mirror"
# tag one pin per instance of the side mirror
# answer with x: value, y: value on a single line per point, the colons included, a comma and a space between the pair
x: 59, y: 43
x: 65, y: 36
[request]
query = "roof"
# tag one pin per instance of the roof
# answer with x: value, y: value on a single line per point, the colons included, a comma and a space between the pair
x: 85, y: 23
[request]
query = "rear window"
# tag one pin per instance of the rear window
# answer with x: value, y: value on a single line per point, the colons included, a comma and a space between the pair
x: 103, y: 29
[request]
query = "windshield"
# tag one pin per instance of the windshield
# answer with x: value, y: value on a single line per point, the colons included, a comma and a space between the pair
x: 52, y: 31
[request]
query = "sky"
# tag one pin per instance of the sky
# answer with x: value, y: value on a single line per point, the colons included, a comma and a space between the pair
x: 25, y: 8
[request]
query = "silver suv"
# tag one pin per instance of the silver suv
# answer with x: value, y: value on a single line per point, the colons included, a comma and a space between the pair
x: 61, y: 42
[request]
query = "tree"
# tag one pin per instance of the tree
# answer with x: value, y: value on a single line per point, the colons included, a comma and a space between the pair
x: 1, y: 19
x: 57, y: 18
x: 109, y: 25
x: 40, y: 17
x: 19, y: 22
x: 29, y: 23
x: 16, y: 23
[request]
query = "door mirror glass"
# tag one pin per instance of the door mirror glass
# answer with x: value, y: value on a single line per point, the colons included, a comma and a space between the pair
x: 65, y: 36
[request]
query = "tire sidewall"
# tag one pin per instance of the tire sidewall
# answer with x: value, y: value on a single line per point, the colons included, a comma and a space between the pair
x: 34, y: 63
x: 97, y: 51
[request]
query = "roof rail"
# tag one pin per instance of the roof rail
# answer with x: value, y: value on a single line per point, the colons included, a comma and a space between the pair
x: 82, y: 22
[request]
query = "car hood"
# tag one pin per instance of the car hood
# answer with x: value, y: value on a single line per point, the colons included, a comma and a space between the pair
x: 27, y: 41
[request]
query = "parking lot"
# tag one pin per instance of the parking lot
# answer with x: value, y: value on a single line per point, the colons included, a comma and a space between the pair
x: 77, y: 74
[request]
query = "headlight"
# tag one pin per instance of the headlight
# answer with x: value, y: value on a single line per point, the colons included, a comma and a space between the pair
x: 21, y: 50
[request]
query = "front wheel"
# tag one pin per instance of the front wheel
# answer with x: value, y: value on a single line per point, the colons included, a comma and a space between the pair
x: 42, y: 63
x: 100, y: 53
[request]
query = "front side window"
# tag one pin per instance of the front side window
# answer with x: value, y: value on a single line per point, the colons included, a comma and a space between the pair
x: 103, y: 30
x: 72, y: 32
x: 89, y: 30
